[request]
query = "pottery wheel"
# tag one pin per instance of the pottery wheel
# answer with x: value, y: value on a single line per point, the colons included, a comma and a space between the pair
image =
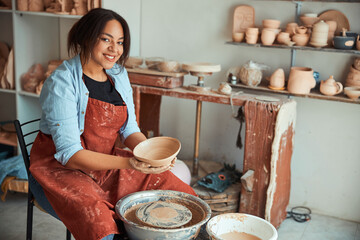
x: 164, y: 214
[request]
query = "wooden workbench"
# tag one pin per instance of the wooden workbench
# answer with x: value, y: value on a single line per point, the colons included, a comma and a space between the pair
x: 268, y: 143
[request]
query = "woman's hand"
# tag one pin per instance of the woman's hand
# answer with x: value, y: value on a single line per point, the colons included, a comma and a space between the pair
x: 147, y: 168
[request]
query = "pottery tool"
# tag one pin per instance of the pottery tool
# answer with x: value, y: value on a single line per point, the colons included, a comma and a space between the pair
x: 164, y: 214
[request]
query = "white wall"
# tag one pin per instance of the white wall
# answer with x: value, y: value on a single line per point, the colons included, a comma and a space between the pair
x: 326, y: 158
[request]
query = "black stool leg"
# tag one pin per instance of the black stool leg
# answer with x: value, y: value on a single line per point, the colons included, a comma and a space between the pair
x: 29, y: 221
x: 68, y: 234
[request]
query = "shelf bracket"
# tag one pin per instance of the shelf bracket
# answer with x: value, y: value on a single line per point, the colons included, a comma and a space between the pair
x: 293, y: 57
x: 297, y: 11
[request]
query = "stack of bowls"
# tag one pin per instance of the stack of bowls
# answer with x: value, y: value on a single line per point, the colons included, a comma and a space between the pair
x: 353, y: 77
x: 271, y: 28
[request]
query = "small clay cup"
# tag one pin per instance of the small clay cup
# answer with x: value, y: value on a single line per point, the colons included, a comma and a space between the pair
x: 238, y: 36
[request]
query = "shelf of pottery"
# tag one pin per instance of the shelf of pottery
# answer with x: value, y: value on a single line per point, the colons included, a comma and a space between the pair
x: 324, y: 32
x: 32, y: 44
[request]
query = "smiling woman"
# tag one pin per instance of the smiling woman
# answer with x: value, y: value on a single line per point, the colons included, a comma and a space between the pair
x: 86, y: 104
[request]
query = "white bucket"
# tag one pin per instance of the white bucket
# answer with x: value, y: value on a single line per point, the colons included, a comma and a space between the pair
x: 240, y: 223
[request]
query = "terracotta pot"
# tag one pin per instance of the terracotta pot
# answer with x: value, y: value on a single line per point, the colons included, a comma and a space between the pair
x: 277, y: 79
x: 291, y: 28
x: 301, y: 39
x: 267, y: 37
x: 330, y: 87
x: 319, y: 35
x: 283, y: 37
x: 353, y: 78
x: 36, y: 5
x: 301, y: 80
x: 238, y: 36
x: 22, y: 5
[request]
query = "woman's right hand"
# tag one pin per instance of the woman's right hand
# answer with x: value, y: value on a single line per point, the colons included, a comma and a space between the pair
x: 147, y: 168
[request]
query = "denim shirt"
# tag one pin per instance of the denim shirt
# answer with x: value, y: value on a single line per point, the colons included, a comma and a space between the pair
x: 64, y: 99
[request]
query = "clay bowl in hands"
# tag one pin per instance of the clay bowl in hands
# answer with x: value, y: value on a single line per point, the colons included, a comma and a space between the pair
x: 168, y: 66
x: 271, y: 23
x: 309, y: 21
x: 157, y: 151
x: 133, y: 62
x: 352, y: 92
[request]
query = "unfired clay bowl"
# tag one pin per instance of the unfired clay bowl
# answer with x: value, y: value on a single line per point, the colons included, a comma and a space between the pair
x: 152, y: 62
x: 271, y: 23
x: 308, y: 21
x: 157, y: 151
x: 132, y: 62
x: 352, y: 92
x: 168, y: 66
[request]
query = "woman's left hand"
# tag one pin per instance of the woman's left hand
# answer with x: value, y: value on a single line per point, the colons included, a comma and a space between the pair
x: 147, y: 168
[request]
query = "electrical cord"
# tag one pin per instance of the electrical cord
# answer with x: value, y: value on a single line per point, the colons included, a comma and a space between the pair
x: 299, y: 214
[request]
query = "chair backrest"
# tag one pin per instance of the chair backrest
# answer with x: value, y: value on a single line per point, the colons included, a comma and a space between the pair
x: 26, y: 133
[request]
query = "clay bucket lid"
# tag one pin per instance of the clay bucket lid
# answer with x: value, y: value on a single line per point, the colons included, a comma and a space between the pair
x: 201, y: 67
x: 164, y: 214
x: 157, y: 151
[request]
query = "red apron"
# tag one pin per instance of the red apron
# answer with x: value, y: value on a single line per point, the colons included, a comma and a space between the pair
x: 84, y: 201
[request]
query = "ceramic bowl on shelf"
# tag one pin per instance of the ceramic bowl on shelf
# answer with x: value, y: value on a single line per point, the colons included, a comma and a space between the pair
x: 352, y: 92
x: 308, y: 21
x: 345, y: 43
x: 157, y: 151
x: 169, y: 66
x: 238, y: 36
x: 152, y: 62
x: 133, y: 62
x: 271, y: 23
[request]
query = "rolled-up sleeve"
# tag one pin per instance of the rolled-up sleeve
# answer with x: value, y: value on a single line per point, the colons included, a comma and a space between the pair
x: 131, y: 125
x: 59, y: 105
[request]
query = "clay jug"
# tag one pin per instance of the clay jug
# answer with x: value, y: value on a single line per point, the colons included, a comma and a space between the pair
x: 330, y: 87
x: 277, y: 79
x: 301, y: 80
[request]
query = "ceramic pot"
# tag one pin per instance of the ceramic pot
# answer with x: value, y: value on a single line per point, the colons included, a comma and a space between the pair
x: 301, y: 39
x: 301, y: 80
x: 291, y: 28
x: 352, y: 92
x: 283, y: 37
x: 267, y: 37
x: 343, y: 42
x: 36, y: 5
x: 353, y: 78
x: 277, y: 79
x: 330, y: 87
x: 251, y: 35
x: 22, y: 5
x: 238, y: 36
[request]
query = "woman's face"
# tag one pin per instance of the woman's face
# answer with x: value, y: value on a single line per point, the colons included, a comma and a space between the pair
x: 109, y: 46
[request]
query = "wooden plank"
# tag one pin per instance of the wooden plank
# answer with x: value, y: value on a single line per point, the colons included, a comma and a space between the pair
x: 155, y: 73
x: 260, y: 122
x: 313, y: 94
x: 211, y: 96
x: 150, y: 114
x: 156, y: 81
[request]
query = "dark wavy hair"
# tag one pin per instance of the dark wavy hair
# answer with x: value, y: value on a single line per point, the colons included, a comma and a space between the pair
x: 85, y: 33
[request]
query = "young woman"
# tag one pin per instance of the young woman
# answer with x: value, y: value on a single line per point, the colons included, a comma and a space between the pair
x: 86, y: 103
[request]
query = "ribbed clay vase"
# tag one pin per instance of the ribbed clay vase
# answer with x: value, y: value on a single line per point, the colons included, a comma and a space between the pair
x: 301, y: 80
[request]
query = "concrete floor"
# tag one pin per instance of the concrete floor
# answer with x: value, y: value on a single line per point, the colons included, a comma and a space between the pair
x: 13, y: 225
